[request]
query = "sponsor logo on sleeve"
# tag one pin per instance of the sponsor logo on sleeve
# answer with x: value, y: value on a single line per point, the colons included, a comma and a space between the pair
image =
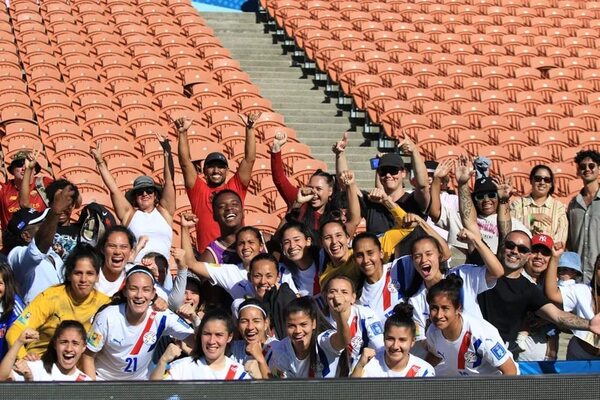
x: 376, y: 328
x: 498, y: 351
x: 94, y: 339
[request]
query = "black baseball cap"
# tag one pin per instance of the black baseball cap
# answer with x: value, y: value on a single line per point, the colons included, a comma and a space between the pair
x: 391, y: 160
x: 216, y: 157
x: 484, y: 185
x: 24, y: 218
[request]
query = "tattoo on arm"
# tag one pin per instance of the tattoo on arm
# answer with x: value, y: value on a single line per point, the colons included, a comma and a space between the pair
x: 465, y: 205
x: 571, y: 321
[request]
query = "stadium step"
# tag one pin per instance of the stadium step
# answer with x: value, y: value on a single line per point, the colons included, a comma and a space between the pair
x: 316, y: 121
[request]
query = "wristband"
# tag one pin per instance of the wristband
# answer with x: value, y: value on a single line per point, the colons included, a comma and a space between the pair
x: 503, y: 201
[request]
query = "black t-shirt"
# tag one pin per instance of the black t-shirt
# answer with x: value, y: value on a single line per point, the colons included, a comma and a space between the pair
x: 377, y: 216
x: 65, y: 239
x: 506, y: 305
x: 379, y: 219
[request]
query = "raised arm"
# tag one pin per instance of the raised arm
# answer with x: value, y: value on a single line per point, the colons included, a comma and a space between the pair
x: 414, y: 220
x: 551, y: 289
x: 198, y: 267
x: 287, y: 190
x: 245, y: 169
x: 353, y: 217
x: 177, y: 294
x: 421, y: 190
x: 504, y: 188
x: 123, y: 209
x: 63, y: 199
x: 491, y: 262
x: 24, y: 190
x: 468, y: 214
x: 6, y: 366
x: 440, y: 174
x: 171, y: 353
x: 339, y: 149
x: 182, y: 125
x: 340, y: 311
x: 167, y: 199
x: 366, y: 356
x: 392, y: 237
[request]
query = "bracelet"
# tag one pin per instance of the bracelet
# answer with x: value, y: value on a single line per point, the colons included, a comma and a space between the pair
x: 503, y: 201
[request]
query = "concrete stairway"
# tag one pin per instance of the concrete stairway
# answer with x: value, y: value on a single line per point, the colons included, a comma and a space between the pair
x: 317, y: 122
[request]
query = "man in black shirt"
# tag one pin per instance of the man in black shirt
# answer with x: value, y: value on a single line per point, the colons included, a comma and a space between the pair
x: 506, y: 305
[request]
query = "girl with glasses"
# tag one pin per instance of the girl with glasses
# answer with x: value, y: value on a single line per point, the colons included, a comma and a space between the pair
x: 147, y: 209
x: 540, y: 212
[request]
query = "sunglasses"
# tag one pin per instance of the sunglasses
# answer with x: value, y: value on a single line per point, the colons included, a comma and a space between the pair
x: 388, y: 170
x: 481, y: 196
x: 543, y: 250
x: 19, y: 163
x: 143, y: 191
x: 545, y: 179
x: 585, y: 166
x: 510, y: 245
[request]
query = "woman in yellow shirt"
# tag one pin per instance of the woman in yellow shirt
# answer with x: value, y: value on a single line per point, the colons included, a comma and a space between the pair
x: 335, y: 241
x: 76, y: 299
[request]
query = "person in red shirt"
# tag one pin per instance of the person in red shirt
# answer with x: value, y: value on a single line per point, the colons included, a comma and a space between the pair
x: 200, y: 189
x: 9, y: 192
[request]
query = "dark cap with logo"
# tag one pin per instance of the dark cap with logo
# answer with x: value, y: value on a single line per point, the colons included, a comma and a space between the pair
x: 216, y: 157
x: 391, y: 160
x: 25, y: 217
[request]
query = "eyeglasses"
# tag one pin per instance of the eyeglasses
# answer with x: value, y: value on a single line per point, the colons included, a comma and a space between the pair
x: 539, y: 178
x: 510, y: 245
x: 481, y: 196
x: 143, y: 191
x: 585, y: 166
x: 388, y: 170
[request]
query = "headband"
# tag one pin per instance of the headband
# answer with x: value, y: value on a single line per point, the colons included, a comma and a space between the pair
x: 254, y: 306
x: 143, y: 271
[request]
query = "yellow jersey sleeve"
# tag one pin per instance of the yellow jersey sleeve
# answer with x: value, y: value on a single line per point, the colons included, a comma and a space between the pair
x: 391, y: 238
x: 34, y: 315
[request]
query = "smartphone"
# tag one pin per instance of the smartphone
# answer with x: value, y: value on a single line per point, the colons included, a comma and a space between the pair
x: 374, y: 163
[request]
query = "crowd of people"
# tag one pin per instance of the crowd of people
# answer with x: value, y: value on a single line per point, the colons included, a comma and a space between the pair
x: 95, y: 298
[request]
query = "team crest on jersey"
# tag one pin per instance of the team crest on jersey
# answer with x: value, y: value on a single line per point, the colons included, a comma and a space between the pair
x: 470, y: 357
x: 394, y: 286
x: 498, y: 351
x: 94, y: 339
x: 356, y: 342
x: 149, y: 338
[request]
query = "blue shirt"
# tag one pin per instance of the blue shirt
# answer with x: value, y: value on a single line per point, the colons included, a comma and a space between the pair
x: 6, y: 323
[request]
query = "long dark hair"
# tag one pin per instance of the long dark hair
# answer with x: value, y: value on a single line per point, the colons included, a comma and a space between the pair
x: 216, y: 314
x: 10, y: 291
x: 80, y: 252
x: 313, y: 250
x: 306, y: 305
x: 534, y: 171
x: 306, y: 214
x: 50, y: 357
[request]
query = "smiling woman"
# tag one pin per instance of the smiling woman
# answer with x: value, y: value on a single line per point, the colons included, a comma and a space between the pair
x: 75, y: 300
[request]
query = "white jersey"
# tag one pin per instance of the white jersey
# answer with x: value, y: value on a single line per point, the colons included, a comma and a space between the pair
x: 366, y: 331
x: 124, y: 351
x: 186, y: 369
x: 234, y: 279
x: 383, y: 295
x: 40, y: 374
x: 284, y: 363
x: 416, y: 367
x: 237, y: 349
x: 578, y: 298
x: 474, y: 283
x: 479, y: 350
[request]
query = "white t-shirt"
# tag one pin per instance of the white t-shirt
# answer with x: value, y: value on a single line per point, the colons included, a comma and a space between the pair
x: 383, y: 295
x: 479, y: 350
x: 449, y: 202
x: 124, y: 351
x: 186, y: 369
x: 40, y: 374
x: 488, y: 226
x: 284, y: 363
x: 238, y: 350
x: 474, y: 283
x: 366, y: 330
x: 577, y: 298
x: 110, y: 288
x: 234, y: 279
x: 416, y: 367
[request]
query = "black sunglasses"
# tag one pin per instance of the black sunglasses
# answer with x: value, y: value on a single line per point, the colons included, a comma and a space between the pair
x: 388, y: 170
x: 510, y: 245
x: 585, y: 166
x: 489, y: 195
x: 142, y: 191
x: 539, y: 178
x: 542, y: 249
